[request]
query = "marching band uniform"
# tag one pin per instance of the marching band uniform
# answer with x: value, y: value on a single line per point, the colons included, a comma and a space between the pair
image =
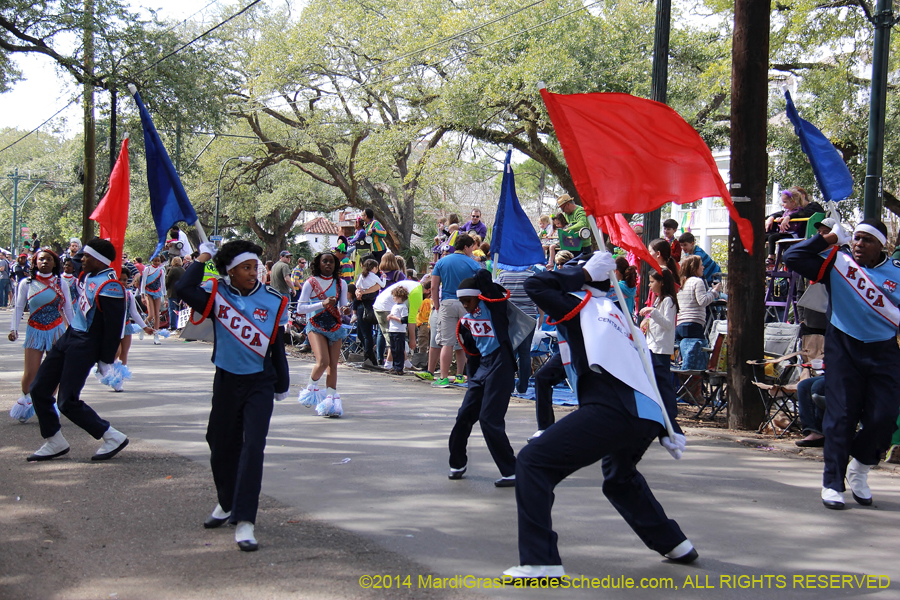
x: 251, y: 370
x: 134, y: 323
x: 484, y: 335
x: 613, y: 423
x: 325, y: 322
x: 69, y: 282
x: 93, y: 337
x: 48, y: 303
x: 861, y: 350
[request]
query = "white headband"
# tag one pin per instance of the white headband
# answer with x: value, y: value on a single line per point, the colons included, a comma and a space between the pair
x: 241, y: 258
x: 90, y: 251
x: 866, y: 228
x: 467, y: 293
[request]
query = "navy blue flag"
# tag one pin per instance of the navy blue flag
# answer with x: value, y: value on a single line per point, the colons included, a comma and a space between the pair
x: 514, y: 241
x: 169, y: 202
x: 828, y: 165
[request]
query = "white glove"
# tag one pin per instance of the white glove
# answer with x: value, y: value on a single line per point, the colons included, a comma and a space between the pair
x: 208, y: 248
x: 282, y: 396
x: 676, y: 446
x: 842, y: 236
x: 599, y: 266
x: 103, y: 368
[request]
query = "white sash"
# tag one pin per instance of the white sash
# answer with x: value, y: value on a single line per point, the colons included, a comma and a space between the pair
x: 607, y: 342
x: 871, y: 293
x: 240, y: 327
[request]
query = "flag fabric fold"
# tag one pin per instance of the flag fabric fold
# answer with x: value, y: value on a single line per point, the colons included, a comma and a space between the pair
x: 828, y: 164
x: 169, y: 202
x: 514, y: 241
x: 633, y: 155
x: 112, y: 212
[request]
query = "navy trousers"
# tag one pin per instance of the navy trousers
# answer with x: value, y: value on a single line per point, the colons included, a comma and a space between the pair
x: 523, y: 360
x: 861, y: 384
x: 67, y: 365
x: 238, y: 425
x: 546, y: 377
x: 581, y: 438
x: 398, y: 350
x: 486, y: 402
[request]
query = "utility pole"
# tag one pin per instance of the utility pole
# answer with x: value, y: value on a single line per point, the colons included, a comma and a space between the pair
x: 15, y: 204
x: 658, y: 92
x: 749, y: 167
x: 90, y: 142
x: 874, y: 191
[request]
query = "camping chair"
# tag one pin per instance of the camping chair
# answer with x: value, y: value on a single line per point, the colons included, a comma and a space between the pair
x: 776, y: 375
x: 351, y: 344
x: 706, y: 388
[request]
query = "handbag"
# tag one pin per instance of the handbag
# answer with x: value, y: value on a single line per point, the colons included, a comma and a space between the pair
x: 368, y: 314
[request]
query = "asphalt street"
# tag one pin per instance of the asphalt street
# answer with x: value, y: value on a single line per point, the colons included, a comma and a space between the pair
x: 379, y: 473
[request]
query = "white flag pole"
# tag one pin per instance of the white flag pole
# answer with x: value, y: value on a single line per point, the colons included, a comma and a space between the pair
x: 201, y: 232
x: 635, y: 332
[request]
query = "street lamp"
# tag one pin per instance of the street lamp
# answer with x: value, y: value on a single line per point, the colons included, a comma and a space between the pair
x: 243, y: 159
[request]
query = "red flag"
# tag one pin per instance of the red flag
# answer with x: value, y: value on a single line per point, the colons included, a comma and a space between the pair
x: 112, y: 212
x: 630, y: 155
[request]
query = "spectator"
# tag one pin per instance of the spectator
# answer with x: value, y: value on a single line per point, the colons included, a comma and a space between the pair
x: 693, y: 298
x: 376, y: 231
x: 390, y: 269
x: 5, y: 267
x: 811, y: 413
x: 298, y: 276
x: 368, y: 284
x: 514, y: 282
x: 627, y: 276
x: 398, y: 322
x: 446, y: 277
x: 281, y: 274
x: 128, y: 267
x: 269, y: 264
x: 344, y: 264
x: 577, y: 220
x: 670, y: 228
x: 173, y: 274
x: 475, y: 225
x: 689, y: 247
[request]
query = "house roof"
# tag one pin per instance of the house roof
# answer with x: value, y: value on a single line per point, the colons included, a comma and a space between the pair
x: 321, y: 225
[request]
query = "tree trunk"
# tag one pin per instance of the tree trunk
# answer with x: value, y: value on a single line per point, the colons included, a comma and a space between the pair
x: 749, y: 164
x: 274, y: 242
x: 90, y: 147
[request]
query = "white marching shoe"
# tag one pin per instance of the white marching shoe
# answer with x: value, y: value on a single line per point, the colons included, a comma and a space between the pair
x: 857, y: 477
x: 156, y: 341
x: 832, y: 499
x: 245, y: 536
x: 535, y: 572
x: 113, y: 443
x: 55, y: 445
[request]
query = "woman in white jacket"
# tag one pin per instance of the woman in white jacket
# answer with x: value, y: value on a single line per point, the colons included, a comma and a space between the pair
x: 659, y: 320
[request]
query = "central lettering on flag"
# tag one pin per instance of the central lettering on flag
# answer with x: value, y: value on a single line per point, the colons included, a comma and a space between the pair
x: 240, y: 327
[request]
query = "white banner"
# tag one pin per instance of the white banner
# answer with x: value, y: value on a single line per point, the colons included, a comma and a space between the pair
x: 184, y: 316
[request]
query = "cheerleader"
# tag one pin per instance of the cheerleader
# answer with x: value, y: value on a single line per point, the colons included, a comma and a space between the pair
x: 68, y: 279
x: 50, y: 312
x: 153, y: 288
x: 322, y: 297
x: 251, y: 370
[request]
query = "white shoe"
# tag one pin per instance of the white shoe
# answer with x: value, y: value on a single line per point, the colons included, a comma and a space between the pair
x: 336, y: 409
x: 857, y: 475
x: 535, y: 435
x: 113, y: 442
x: 245, y: 536
x: 832, y: 498
x: 309, y: 396
x: 408, y: 364
x: 141, y: 334
x: 325, y: 407
x: 54, y: 446
x: 156, y: 341
x: 23, y: 409
x: 387, y: 365
x: 535, y: 572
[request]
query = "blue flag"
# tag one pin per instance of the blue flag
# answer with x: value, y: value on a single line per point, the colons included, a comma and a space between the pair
x: 514, y: 240
x: 828, y: 165
x: 168, y: 201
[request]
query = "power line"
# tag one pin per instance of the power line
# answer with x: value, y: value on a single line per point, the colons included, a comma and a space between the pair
x: 71, y: 102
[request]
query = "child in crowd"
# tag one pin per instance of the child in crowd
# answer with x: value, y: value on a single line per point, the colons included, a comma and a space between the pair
x: 397, y: 323
x: 423, y: 329
x: 627, y: 276
x: 659, y: 322
x: 710, y: 267
x: 439, y: 239
x: 670, y: 227
x: 546, y: 231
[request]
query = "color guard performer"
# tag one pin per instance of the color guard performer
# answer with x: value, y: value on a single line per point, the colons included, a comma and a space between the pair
x: 251, y: 370
x: 861, y: 353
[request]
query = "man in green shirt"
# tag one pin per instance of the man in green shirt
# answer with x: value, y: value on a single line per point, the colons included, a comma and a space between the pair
x: 577, y: 219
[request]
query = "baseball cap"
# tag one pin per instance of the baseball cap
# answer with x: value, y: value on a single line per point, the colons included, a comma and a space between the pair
x: 285, y: 253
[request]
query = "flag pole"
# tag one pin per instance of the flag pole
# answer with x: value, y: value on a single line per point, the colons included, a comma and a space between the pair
x: 648, y: 369
x: 201, y: 232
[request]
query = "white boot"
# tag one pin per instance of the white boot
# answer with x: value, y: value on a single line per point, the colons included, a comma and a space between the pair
x: 55, y: 445
x: 857, y: 476
x: 245, y: 537
x: 113, y: 442
x: 336, y: 409
x: 156, y: 341
x: 832, y: 499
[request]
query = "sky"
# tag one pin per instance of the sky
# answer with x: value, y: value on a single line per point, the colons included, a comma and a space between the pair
x: 45, y: 90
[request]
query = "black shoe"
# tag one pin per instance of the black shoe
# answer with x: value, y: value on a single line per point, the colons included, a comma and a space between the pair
x: 457, y: 473
x: 39, y: 458
x: 819, y: 443
x: 247, y: 546
x: 688, y: 558
x: 862, y: 501
x: 505, y: 482
x: 212, y: 522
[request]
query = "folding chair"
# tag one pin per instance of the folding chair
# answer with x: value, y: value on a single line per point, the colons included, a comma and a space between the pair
x: 776, y: 375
